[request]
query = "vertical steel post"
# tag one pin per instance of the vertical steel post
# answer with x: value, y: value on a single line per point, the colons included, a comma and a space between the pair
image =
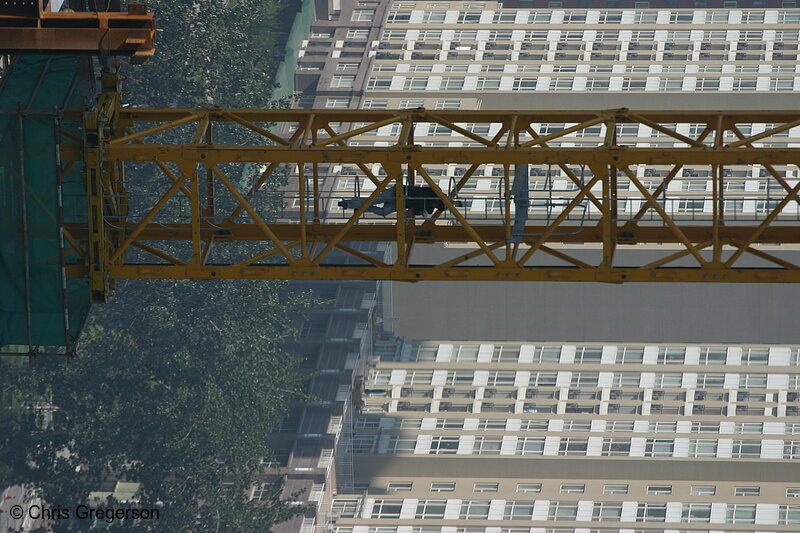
x: 23, y: 200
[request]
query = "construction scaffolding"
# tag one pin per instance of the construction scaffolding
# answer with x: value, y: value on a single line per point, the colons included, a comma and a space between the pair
x: 41, y: 311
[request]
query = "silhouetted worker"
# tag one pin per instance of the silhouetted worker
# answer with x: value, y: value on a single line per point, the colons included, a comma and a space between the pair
x: 418, y: 199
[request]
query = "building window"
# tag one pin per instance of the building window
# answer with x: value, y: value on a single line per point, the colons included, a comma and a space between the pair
x: 524, y: 84
x: 747, y: 491
x: 518, y: 510
x: 345, y: 508
x: 543, y: 379
x: 426, y: 354
x: 474, y: 510
x: 743, y: 84
x: 363, y: 443
x: 755, y: 356
x: 415, y: 83
x: 449, y: 423
x: 572, y: 446
x: 746, y: 448
x: 535, y: 487
x: 671, y: 356
x: 713, y: 356
x: 585, y: 379
x: 633, y: 84
x: 703, y: 448
x: 789, y: 514
x: 412, y: 104
x: 447, y: 104
x: 781, y: 84
x: 469, y: 17
x: 433, y: 17
x: 561, y: 84
x: 444, y: 445
x: 387, y: 508
x: 363, y: 15
x: 630, y: 355
x: 651, y: 512
x: 452, y: 84
x: 443, y: 486
x: 607, y: 511
x: 659, y: 489
x: 364, y: 422
x: 379, y: 83
x: 431, y: 509
x: 487, y: 445
x: 399, y: 486
x: 748, y: 427
x: 738, y: 513
x: 337, y: 103
x: 663, y: 427
x: 347, y: 67
x: 485, y: 487
x: 793, y: 492
x: 357, y: 34
x: 343, y: 82
x: 375, y: 104
x: 562, y: 510
x: 686, y: 205
x: 659, y: 447
x: 394, y: 35
x: 710, y: 381
x: 791, y: 449
x: 573, y: 488
x: 530, y: 446
x: 696, y: 512
x: 616, y: 447
x: 703, y: 490
x: 615, y: 489
x: 484, y: 84
x: 398, y: 445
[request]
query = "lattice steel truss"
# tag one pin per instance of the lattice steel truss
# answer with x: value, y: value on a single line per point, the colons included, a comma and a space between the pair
x: 179, y: 230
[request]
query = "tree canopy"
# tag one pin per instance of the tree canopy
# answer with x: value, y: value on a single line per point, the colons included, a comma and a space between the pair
x: 177, y: 383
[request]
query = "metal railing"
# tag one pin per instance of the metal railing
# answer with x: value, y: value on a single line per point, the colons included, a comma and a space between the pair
x: 477, y: 208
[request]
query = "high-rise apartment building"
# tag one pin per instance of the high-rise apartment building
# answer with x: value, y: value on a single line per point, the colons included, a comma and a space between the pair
x: 568, y: 54
x: 565, y: 438
x: 545, y: 438
x: 311, y: 446
x: 498, y: 55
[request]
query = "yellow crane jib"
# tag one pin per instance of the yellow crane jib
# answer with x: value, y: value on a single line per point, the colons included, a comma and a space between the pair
x: 187, y: 211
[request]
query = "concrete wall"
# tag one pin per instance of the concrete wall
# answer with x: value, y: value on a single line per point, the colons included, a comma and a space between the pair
x: 559, y: 311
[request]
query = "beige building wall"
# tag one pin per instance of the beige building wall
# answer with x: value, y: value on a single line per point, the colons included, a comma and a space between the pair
x: 505, y: 438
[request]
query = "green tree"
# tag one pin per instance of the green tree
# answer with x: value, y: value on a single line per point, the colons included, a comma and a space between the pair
x: 212, y: 53
x: 176, y: 392
x: 177, y: 383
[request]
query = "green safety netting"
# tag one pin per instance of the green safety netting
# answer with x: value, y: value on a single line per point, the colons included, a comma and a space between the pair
x: 36, y: 312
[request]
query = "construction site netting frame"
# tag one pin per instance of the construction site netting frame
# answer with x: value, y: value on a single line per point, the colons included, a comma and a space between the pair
x: 41, y: 311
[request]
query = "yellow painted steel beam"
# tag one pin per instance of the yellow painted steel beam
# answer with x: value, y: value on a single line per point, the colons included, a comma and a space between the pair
x: 414, y: 273
x: 452, y: 233
x: 661, y: 117
x: 618, y: 155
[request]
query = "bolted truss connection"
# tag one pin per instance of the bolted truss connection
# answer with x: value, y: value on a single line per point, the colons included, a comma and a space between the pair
x: 189, y: 210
